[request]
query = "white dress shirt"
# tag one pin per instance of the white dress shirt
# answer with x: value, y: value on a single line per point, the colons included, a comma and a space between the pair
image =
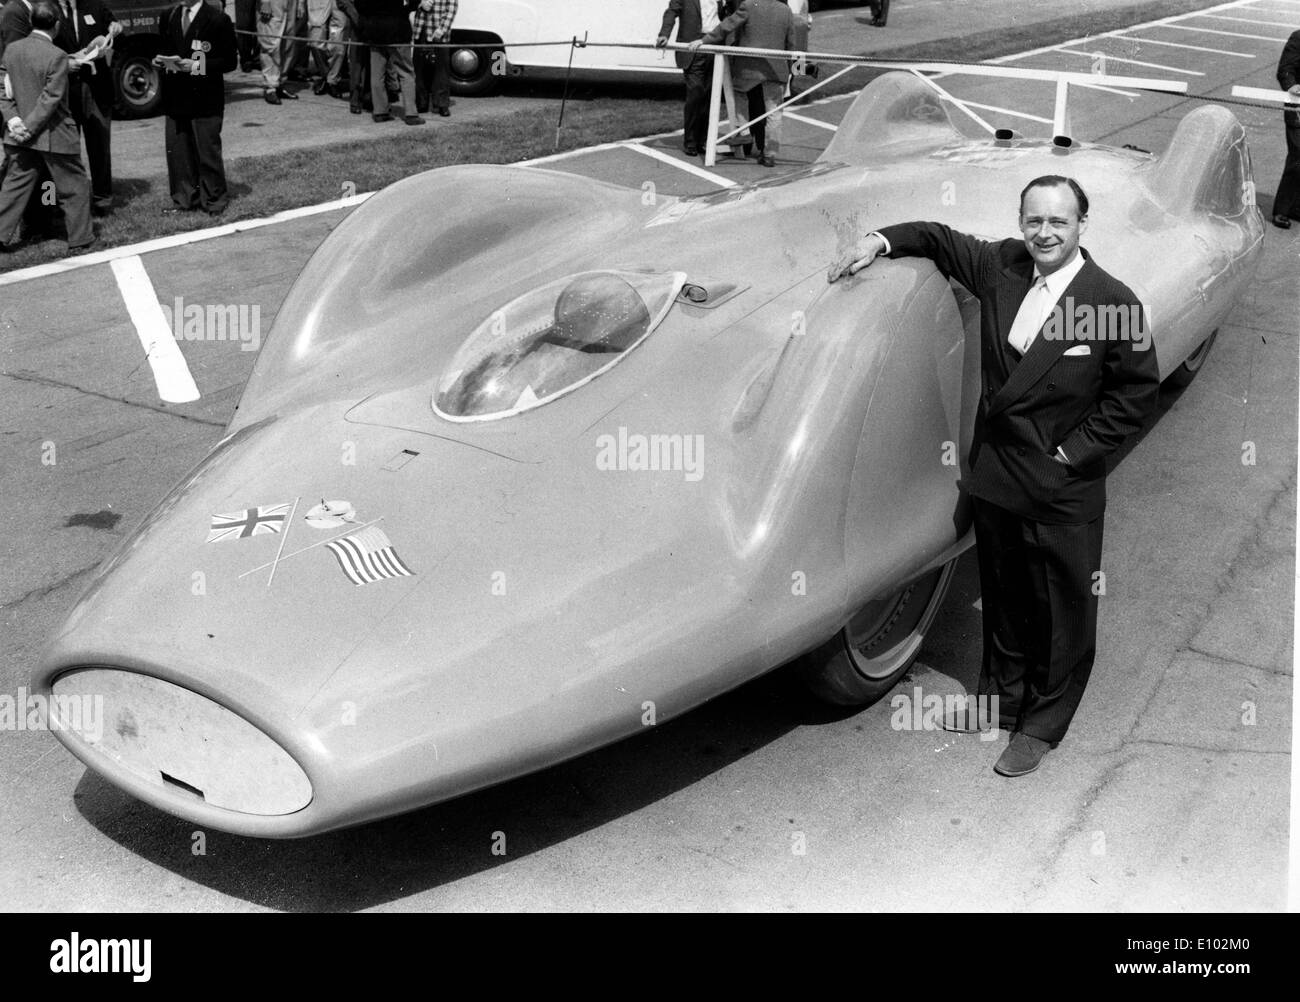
x: 708, y: 15
x: 1039, y: 301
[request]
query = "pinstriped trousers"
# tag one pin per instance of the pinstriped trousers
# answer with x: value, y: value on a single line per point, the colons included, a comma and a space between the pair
x: 1040, y: 615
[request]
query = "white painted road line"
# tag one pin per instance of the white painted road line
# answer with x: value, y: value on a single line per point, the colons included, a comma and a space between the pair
x: 175, y: 240
x: 1230, y: 34
x: 175, y: 384
x: 1180, y: 45
x: 1106, y: 58
x: 1008, y: 111
x: 811, y: 121
x: 1248, y: 20
x: 668, y: 158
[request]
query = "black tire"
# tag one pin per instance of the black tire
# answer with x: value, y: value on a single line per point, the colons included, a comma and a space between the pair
x: 1185, y: 373
x: 138, y: 84
x: 472, y: 67
x: 868, y: 656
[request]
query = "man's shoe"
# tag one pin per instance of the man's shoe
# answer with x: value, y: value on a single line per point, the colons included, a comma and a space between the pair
x: 767, y: 160
x: 82, y: 248
x: 385, y: 117
x: 272, y: 96
x: 413, y: 120
x: 444, y: 112
x: 10, y: 248
x: 691, y: 151
x: 287, y: 94
x: 1282, y: 222
x: 355, y: 109
x: 1022, y: 755
x: 320, y: 86
x: 101, y: 210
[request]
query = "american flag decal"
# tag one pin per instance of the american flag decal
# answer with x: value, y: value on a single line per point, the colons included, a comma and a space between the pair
x: 250, y: 522
x: 367, y: 556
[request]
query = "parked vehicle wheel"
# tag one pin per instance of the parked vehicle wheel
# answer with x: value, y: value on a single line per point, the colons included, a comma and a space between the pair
x: 865, y: 659
x: 139, y: 86
x: 1186, y: 372
x: 472, y: 68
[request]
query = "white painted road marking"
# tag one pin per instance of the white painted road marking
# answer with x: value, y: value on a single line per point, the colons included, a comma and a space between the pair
x: 1143, y: 40
x: 175, y: 384
x: 1215, y: 31
x: 811, y: 121
x: 1106, y: 57
x: 668, y: 158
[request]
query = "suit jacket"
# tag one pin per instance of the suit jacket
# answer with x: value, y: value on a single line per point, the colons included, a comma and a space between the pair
x: 690, y: 25
x: 759, y: 24
x: 38, y: 73
x: 93, y: 18
x: 1086, y: 405
x: 384, y: 22
x: 187, y: 95
x: 1288, y: 70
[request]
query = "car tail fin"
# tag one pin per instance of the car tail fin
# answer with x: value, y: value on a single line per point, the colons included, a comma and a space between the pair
x: 895, y: 115
x: 1206, y: 168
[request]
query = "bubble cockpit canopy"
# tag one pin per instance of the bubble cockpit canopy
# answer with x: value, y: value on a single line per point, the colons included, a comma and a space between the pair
x: 553, y: 340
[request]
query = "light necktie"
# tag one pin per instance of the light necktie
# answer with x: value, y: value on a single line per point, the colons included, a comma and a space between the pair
x: 1030, y: 317
x: 185, y: 21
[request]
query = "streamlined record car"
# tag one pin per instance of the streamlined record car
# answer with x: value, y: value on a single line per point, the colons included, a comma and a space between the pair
x: 530, y: 462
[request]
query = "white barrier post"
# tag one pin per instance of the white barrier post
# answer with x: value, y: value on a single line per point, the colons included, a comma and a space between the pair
x: 711, y: 143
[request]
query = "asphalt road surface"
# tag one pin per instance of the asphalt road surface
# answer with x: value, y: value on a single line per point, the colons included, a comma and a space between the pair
x: 1170, y: 793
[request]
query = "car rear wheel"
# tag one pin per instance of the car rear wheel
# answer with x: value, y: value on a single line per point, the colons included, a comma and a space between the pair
x: 1186, y: 372
x: 866, y: 658
x: 139, y: 88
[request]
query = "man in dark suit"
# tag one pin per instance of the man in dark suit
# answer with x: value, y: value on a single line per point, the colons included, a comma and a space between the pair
x: 1051, y: 411
x: 40, y: 131
x: 693, y: 18
x: 90, y: 91
x: 198, y: 47
x: 1286, y: 203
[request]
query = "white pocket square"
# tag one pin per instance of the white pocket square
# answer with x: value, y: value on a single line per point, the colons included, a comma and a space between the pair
x: 1079, y: 349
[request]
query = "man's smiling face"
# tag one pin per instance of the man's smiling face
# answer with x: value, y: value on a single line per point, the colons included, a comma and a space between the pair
x: 1050, y: 224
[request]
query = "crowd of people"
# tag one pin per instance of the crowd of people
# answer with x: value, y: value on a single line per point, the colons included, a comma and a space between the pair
x: 56, y: 91
x: 388, y: 47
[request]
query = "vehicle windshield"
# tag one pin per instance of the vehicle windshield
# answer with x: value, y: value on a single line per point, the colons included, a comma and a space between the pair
x: 553, y: 340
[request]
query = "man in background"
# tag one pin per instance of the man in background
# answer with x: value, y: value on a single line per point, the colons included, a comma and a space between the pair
x: 198, y: 47
x: 760, y: 24
x: 1286, y: 203
x: 90, y: 90
x: 432, y: 23
x: 693, y: 18
x: 40, y: 132
x: 386, y: 28
x: 280, y: 24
